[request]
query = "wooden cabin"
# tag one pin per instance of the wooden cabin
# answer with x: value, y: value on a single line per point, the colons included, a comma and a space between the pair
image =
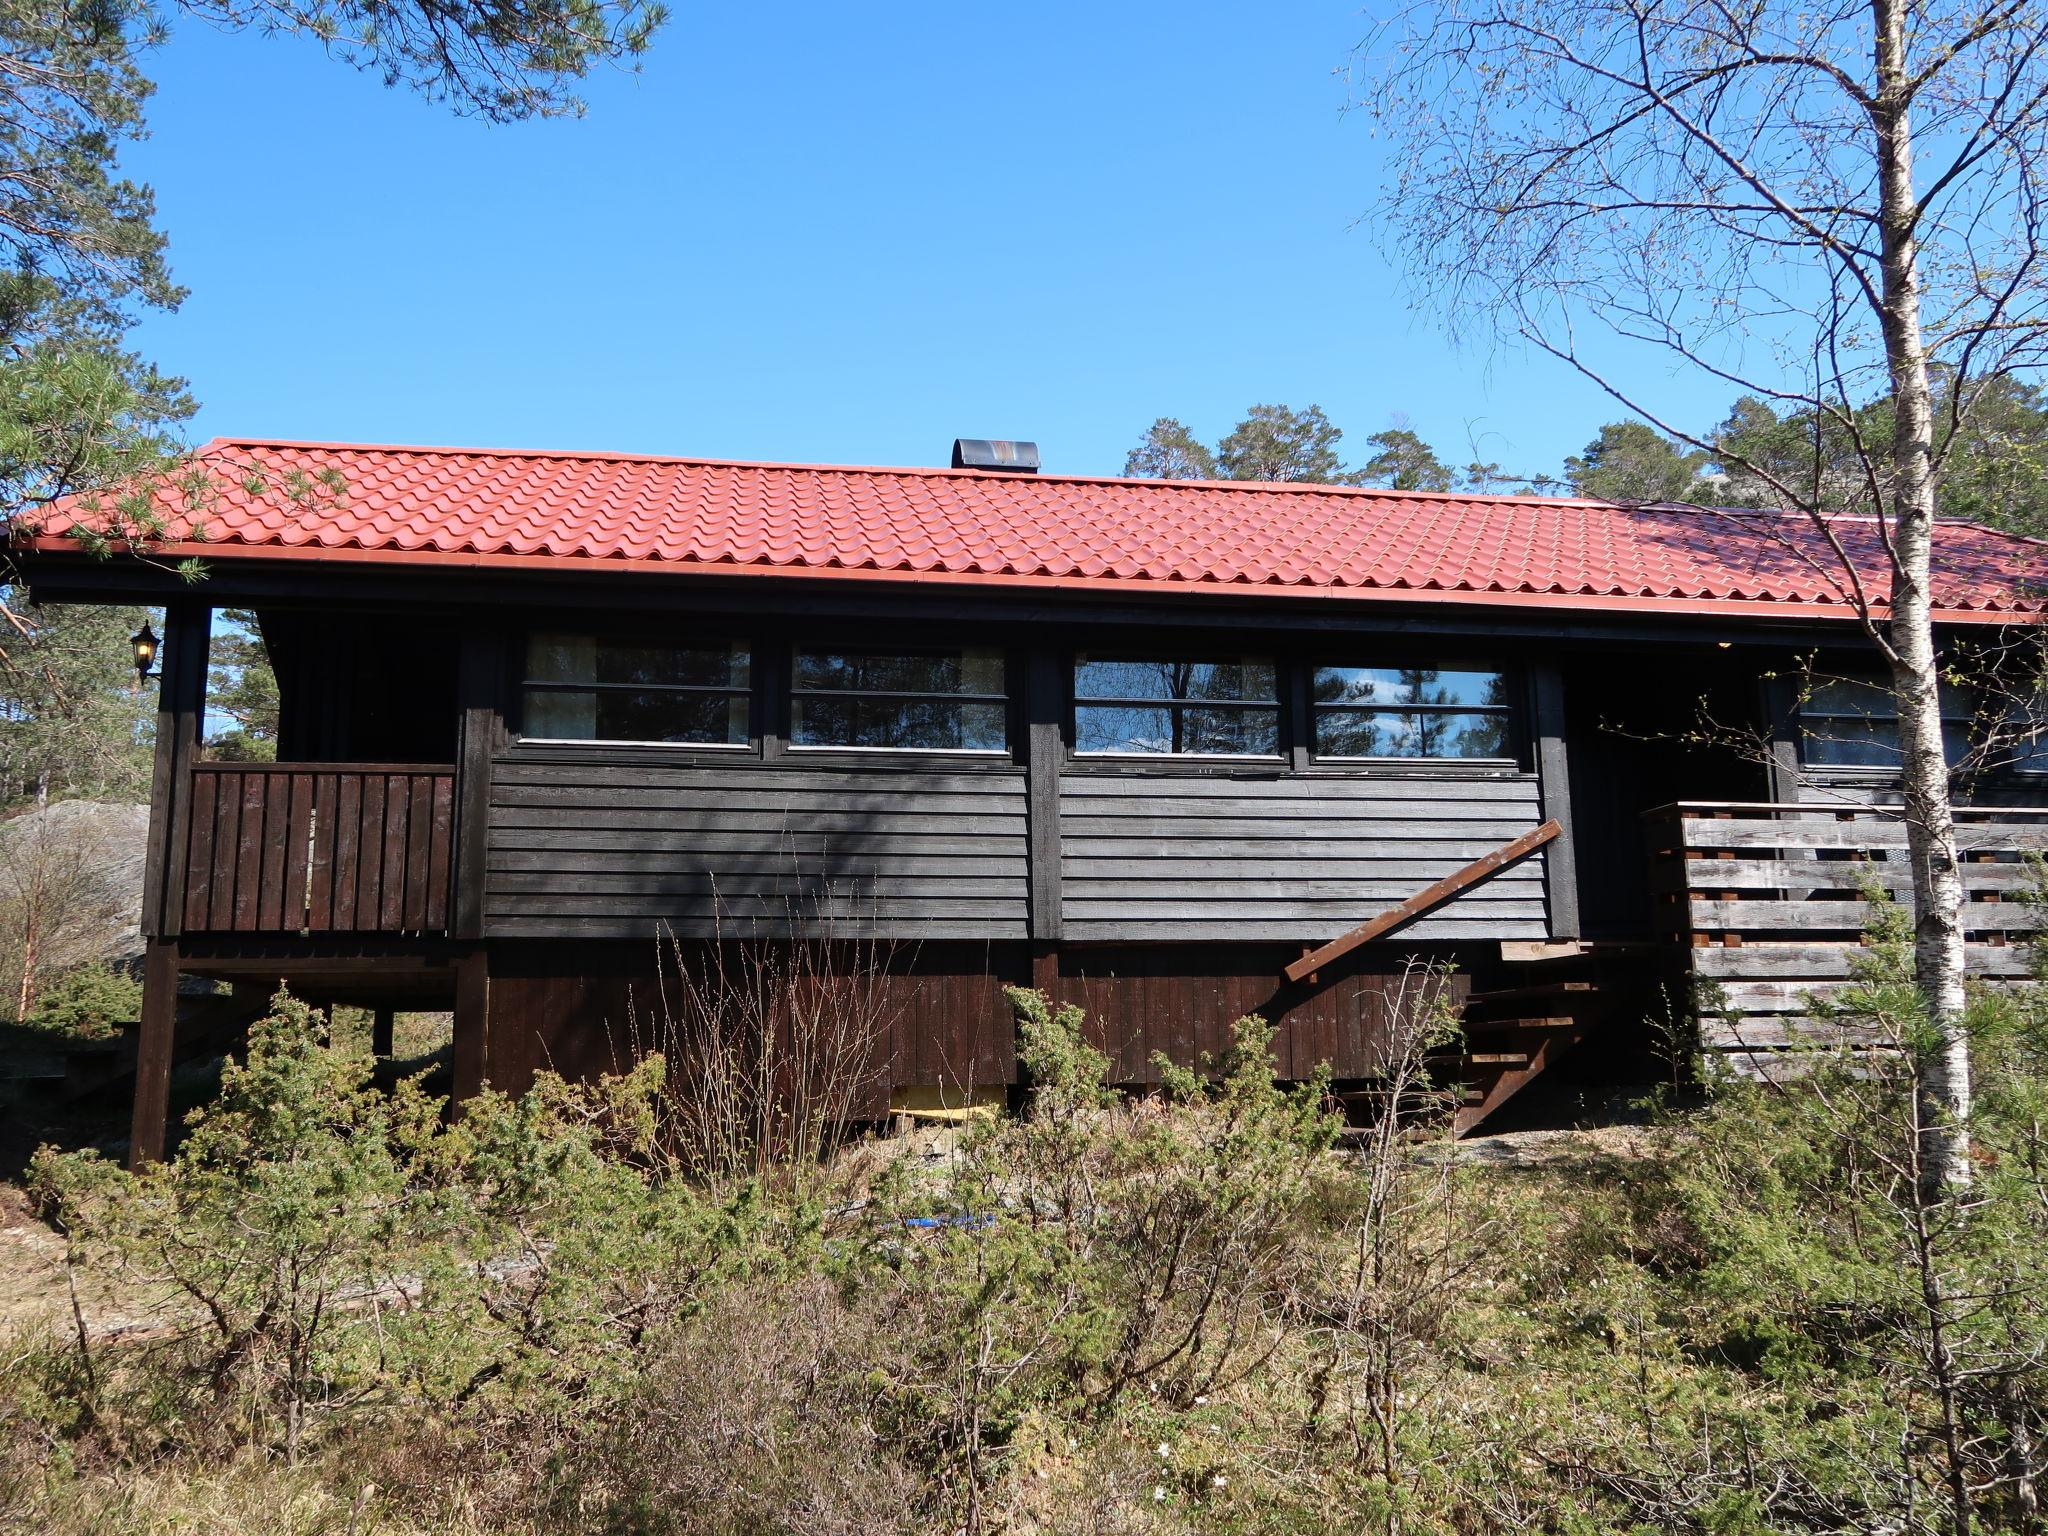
x: 1174, y: 751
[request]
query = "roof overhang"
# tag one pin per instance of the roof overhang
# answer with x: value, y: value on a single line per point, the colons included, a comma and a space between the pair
x: 302, y: 573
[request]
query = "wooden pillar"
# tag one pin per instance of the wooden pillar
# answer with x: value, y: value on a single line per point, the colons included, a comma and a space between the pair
x: 480, y: 731
x: 1553, y: 770
x: 153, y: 1050
x: 180, y: 717
x: 1044, y: 758
x: 472, y: 1023
x: 1780, y: 703
x: 381, y: 1023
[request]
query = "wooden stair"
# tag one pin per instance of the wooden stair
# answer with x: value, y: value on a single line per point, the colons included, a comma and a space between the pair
x: 1517, y: 1031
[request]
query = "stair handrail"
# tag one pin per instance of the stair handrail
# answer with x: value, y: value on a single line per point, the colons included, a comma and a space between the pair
x: 1479, y: 871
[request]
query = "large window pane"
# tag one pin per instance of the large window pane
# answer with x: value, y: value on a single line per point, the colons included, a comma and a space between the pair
x: 1410, y: 733
x: 1223, y: 707
x: 602, y: 688
x: 1127, y: 677
x: 626, y: 663
x: 899, y: 724
x: 963, y: 671
x: 1438, y: 687
x: 1853, y: 723
x: 1157, y: 730
x: 922, y: 701
x: 1412, y: 712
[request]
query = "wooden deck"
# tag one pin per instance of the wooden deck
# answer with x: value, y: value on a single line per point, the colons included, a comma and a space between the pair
x: 319, y: 848
x: 1768, y: 903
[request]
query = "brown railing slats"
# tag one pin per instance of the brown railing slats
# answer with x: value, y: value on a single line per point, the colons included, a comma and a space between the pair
x: 249, y: 867
x: 298, y: 837
x: 440, y: 853
x: 320, y: 876
x: 319, y: 848
x: 199, y: 866
x: 348, y: 834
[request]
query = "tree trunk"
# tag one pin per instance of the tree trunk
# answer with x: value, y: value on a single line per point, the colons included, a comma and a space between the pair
x: 1938, y: 959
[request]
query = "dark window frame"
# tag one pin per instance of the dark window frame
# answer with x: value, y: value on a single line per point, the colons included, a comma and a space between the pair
x: 1266, y: 762
x: 1514, y: 711
x: 1957, y: 714
x: 751, y: 692
x: 788, y: 692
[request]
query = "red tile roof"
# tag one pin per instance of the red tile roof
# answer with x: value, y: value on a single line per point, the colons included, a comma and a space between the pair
x: 596, y: 511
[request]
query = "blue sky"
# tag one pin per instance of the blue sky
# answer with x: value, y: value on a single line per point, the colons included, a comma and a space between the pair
x: 823, y: 232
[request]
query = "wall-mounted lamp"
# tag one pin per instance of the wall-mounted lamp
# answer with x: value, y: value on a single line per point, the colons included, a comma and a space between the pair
x: 144, y: 641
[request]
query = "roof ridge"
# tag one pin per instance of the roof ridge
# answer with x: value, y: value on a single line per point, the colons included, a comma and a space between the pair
x: 935, y: 471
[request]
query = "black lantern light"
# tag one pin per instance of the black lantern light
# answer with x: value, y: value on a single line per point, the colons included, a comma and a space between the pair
x: 144, y: 641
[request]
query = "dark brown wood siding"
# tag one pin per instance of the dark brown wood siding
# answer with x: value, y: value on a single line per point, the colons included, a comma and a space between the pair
x: 586, y: 1008
x: 936, y: 1011
x: 1297, y: 859
x: 621, y: 845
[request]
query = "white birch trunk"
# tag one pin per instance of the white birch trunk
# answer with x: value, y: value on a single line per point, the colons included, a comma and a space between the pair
x: 1938, y: 955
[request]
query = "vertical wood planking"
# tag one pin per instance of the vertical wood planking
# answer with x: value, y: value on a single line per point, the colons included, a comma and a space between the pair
x: 277, y: 812
x: 369, y: 856
x: 297, y: 837
x: 320, y: 879
x: 348, y: 832
x: 249, y: 863
x: 291, y: 850
x: 199, y: 854
x: 440, y: 870
x: 388, y: 915
x: 419, y: 849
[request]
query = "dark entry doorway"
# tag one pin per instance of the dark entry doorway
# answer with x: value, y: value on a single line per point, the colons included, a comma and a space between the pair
x: 1645, y: 729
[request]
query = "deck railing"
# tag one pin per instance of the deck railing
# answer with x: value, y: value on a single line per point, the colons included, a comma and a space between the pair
x: 319, y: 848
x: 1769, y: 904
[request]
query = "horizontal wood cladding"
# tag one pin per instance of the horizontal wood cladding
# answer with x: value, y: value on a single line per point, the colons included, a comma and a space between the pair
x: 583, y: 845
x: 1297, y: 859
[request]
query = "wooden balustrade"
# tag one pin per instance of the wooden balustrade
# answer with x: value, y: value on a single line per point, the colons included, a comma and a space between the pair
x: 1770, y: 904
x: 307, y: 848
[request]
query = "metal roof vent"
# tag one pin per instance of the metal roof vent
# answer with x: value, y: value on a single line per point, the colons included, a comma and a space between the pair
x: 994, y: 453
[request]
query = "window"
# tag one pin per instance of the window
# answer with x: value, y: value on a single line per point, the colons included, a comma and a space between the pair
x: 2025, y: 737
x: 595, y: 688
x: 1137, y: 705
x: 899, y: 701
x: 1849, y: 723
x: 1423, y: 712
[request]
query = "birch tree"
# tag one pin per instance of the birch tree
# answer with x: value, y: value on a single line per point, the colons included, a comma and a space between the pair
x: 1816, y: 205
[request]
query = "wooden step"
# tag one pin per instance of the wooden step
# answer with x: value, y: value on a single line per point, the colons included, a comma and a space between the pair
x: 1529, y: 993
x: 1496, y: 1026
x: 1497, y: 1058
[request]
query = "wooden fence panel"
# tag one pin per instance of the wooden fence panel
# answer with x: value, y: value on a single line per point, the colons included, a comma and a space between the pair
x: 308, y: 848
x: 1766, y: 901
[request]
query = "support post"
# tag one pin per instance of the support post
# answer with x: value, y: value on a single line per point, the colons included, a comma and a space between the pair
x: 472, y: 1023
x: 180, y: 712
x: 1553, y: 770
x: 1044, y: 757
x: 480, y: 729
x: 154, y: 1045
x: 381, y: 1030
